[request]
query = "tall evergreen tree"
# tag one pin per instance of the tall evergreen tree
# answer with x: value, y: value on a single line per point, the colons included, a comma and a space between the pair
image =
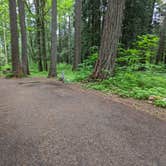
x: 38, y: 27
x: 25, y: 67
x: 77, y: 38
x: 53, y: 57
x: 16, y: 67
x: 110, y: 38
x: 43, y: 35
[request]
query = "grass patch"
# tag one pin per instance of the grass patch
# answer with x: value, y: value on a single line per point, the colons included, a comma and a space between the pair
x: 70, y: 76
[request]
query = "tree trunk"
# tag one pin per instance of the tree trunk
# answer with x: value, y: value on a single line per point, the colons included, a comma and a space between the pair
x: 31, y: 46
x: 5, y: 44
x: 38, y: 26
x: 16, y: 67
x: 70, y: 40
x: 21, y: 8
x: 65, y: 41
x: 162, y: 43
x: 59, y: 43
x: 43, y: 36
x: 53, y: 58
x: 77, y: 41
x: 110, y: 38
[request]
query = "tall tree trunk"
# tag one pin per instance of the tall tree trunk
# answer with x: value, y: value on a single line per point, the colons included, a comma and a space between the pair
x: 65, y: 41
x: 5, y: 43
x: 16, y: 67
x: 69, y: 44
x: 44, y: 47
x: 77, y: 41
x: 31, y: 46
x: 21, y: 8
x: 110, y: 38
x: 162, y: 42
x: 53, y: 58
x: 43, y: 36
x: 59, y: 43
x: 38, y: 26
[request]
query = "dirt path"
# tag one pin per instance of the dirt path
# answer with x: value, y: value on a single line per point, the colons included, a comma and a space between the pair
x: 46, y: 123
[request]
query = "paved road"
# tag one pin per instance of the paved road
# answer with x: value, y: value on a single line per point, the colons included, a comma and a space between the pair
x: 46, y: 123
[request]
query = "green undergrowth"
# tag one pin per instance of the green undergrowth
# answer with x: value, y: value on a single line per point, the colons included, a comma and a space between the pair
x: 6, y: 68
x: 63, y: 68
x: 73, y: 76
x: 138, y: 85
x: 141, y: 85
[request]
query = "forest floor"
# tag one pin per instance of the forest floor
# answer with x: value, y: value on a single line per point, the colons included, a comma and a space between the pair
x: 46, y: 123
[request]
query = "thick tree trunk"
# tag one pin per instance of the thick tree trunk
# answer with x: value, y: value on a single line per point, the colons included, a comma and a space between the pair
x: 16, y: 67
x: 110, y: 38
x: 162, y: 43
x: 53, y: 58
x: 21, y: 8
x: 77, y: 41
x: 38, y: 26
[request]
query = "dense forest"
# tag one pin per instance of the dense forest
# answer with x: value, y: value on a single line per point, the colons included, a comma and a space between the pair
x: 116, y: 46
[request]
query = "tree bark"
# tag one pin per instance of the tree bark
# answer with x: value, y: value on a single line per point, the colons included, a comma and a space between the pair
x: 43, y: 36
x: 110, y: 38
x: 77, y: 41
x: 16, y: 67
x: 53, y: 58
x: 38, y: 26
x: 21, y: 8
x: 5, y: 44
x: 70, y: 40
x: 59, y: 43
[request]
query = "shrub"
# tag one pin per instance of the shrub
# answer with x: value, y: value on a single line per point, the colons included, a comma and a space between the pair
x: 141, y: 55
